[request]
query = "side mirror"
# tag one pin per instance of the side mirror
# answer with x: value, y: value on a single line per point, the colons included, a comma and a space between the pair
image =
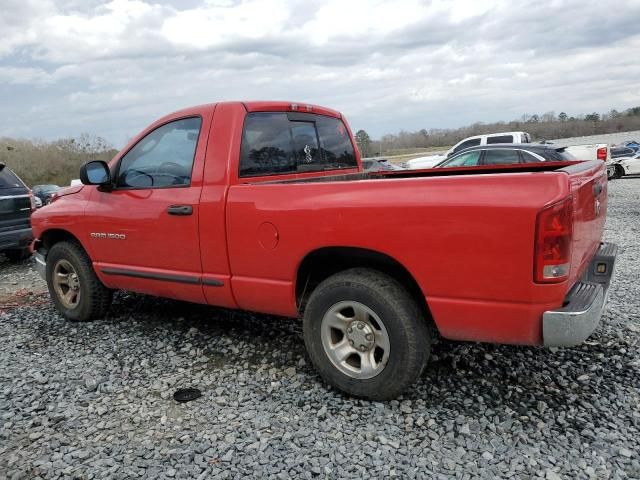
x: 95, y: 173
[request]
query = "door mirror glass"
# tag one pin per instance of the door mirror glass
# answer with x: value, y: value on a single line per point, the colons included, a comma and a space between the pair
x: 95, y: 173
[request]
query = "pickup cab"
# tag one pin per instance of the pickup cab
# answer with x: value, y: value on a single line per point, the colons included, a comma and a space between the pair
x: 264, y: 206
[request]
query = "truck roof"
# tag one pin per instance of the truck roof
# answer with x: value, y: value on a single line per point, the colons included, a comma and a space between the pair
x: 260, y: 106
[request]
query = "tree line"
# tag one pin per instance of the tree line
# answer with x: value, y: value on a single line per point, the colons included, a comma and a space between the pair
x: 546, y: 126
x: 42, y: 162
x: 59, y: 161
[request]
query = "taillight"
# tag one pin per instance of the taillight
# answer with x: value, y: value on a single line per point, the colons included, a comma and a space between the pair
x: 602, y: 153
x: 554, y: 232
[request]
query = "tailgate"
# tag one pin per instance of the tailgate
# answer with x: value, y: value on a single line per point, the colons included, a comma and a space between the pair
x: 588, y: 184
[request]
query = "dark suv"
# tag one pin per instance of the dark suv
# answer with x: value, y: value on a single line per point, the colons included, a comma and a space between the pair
x: 15, y: 215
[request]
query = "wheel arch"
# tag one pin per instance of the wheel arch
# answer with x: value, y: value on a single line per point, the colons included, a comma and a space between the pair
x: 320, y: 264
x: 50, y: 237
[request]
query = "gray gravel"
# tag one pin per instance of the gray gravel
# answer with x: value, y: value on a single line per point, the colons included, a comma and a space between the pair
x: 95, y: 400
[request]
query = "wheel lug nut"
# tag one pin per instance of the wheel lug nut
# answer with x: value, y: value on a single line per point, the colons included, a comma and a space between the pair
x: 369, y: 336
x: 362, y: 348
x: 360, y: 325
x: 350, y: 329
x: 350, y: 342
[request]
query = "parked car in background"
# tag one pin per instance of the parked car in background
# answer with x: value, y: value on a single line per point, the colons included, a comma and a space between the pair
x: 273, y: 213
x: 506, y: 154
x: 626, y: 166
x: 488, y: 139
x: 630, y: 144
x: 16, y: 204
x: 379, y: 165
x: 590, y: 151
x: 619, y: 152
x: 45, y: 192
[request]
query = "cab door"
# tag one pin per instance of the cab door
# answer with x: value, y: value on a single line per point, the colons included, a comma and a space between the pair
x: 144, y: 232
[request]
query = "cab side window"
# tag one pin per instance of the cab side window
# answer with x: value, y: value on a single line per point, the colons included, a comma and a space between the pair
x: 501, y: 157
x: 163, y: 158
x: 529, y: 158
x: 469, y: 159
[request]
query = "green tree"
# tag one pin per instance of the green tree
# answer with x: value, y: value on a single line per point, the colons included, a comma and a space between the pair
x: 563, y: 117
x: 364, y: 143
x: 633, y: 111
x: 592, y: 117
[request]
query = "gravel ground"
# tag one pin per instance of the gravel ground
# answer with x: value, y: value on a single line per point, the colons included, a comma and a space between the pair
x: 95, y: 400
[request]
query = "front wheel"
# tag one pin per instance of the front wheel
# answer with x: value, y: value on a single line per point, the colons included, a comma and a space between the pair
x: 365, y: 334
x: 75, y: 289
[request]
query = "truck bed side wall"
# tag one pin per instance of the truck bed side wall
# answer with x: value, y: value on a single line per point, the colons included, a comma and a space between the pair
x: 468, y: 241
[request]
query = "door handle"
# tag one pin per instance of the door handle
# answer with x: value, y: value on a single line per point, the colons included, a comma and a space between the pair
x: 180, y: 210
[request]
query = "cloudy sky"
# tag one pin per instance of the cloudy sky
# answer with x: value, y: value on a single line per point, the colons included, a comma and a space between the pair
x: 110, y: 68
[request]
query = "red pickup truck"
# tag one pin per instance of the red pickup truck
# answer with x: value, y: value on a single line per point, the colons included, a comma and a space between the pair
x: 264, y: 206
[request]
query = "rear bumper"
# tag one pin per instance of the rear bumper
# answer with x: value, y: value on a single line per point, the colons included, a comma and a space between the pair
x: 15, y: 239
x: 584, y: 305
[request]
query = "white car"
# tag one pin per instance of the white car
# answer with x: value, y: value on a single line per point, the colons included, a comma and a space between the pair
x: 626, y: 166
x: 594, y: 151
x: 492, y: 138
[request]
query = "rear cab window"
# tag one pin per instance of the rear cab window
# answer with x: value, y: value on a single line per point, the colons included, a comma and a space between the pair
x: 500, y: 139
x: 276, y: 143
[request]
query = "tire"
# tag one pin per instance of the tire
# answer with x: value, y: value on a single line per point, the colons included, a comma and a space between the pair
x: 386, y: 368
x: 17, y: 255
x: 619, y: 172
x: 93, y: 298
x: 611, y: 173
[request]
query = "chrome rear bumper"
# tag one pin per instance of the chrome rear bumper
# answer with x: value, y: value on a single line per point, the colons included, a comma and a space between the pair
x: 584, y: 305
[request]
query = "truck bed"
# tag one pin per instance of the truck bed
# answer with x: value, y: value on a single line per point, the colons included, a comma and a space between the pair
x: 434, y: 172
x: 466, y: 236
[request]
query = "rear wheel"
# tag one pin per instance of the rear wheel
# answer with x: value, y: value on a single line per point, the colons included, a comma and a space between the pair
x: 18, y: 254
x: 74, y: 287
x: 619, y: 171
x: 365, y: 334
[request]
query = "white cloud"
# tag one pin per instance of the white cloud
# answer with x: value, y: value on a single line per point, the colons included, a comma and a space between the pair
x: 110, y: 68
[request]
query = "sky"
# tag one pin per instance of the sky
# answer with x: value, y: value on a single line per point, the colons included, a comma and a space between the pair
x: 111, y: 68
